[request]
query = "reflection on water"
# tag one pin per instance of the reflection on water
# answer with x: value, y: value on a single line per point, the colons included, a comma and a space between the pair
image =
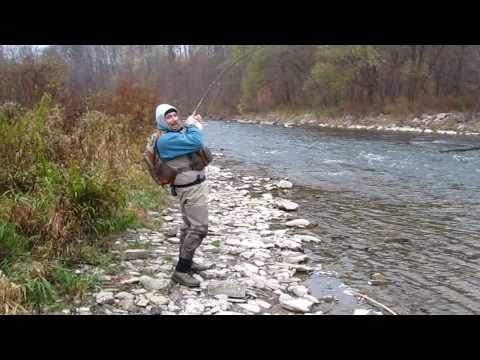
x: 386, y: 203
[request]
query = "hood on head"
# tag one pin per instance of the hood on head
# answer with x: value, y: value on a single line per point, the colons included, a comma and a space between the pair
x: 160, y: 116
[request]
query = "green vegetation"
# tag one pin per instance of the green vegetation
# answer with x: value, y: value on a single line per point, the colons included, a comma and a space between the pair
x: 62, y: 194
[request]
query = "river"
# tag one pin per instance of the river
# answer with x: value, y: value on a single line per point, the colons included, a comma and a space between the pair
x: 385, y: 202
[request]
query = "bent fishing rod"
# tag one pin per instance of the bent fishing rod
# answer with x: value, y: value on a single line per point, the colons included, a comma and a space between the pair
x: 236, y: 62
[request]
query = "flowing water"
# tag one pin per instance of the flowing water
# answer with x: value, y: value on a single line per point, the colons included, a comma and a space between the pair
x: 385, y: 202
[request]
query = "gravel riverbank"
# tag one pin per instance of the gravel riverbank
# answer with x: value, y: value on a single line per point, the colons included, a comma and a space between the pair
x: 256, y: 246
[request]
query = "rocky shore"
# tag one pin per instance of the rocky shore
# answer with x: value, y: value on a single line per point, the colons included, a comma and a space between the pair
x: 453, y: 123
x: 256, y: 246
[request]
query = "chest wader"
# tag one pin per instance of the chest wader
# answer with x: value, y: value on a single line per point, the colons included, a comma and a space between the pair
x: 193, y: 200
x: 194, y: 206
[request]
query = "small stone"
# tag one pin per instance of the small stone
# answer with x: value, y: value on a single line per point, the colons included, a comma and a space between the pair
x: 141, y: 301
x: 299, y: 290
x: 127, y: 305
x: 361, y: 312
x: 263, y: 304
x: 124, y: 295
x: 193, y: 307
x: 295, y: 304
x: 377, y: 279
x: 296, y: 259
x: 306, y: 238
x: 287, y: 205
x: 83, y: 311
x: 301, y: 223
x: 250, y: 308
x: 284, y: 184
x: 228, y: 313
x: 104, y: 297
x: 139, y: 291
x: 158, y: 299
x: 136, y: 254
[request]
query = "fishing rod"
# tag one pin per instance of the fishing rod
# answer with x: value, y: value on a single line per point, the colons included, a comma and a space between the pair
x: 238, y: 60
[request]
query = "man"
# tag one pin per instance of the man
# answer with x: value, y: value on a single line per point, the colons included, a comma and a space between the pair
x: 176, y: 147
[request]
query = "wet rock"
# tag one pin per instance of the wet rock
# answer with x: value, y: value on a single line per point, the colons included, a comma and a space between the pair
x: 296, y: 259
x: 232, y: 289
x: 361, y: 312
x: 306, y: 238
x: 301, y: 223
x: 284, y: 184
x: 377, y: 279
x: 288, y: 244
x: 299, y: 290
x: 284, y: 204
x: 136, y: 254
x: 295, y: 304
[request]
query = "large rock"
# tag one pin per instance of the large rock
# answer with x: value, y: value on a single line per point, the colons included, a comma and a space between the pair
x: 295, y: 304
x: 284, y: 204
x: 230, y: 288
x: 154, y: 284
x: 136, y: 254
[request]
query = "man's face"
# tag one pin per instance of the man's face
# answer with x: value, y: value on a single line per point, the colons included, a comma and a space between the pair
x: 172, y: 120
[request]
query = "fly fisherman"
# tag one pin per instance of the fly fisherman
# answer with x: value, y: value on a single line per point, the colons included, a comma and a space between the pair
x: 176, y: 147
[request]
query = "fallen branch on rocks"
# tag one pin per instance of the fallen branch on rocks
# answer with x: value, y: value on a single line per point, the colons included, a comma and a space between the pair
x: 374, y: 302
x: 461, y: 150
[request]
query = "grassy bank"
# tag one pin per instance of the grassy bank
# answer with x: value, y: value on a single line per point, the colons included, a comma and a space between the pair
x: 64, y: 190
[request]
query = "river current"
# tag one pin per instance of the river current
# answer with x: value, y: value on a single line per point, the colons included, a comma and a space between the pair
x: 385, y: 202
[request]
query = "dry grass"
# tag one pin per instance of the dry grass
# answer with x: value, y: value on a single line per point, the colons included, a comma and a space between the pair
x: 11, y: 297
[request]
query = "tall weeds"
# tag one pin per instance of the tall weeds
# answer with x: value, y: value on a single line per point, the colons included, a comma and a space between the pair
x: 63, y: 189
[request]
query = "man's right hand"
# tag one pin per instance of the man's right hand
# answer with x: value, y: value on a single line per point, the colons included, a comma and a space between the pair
x: 193, y: 118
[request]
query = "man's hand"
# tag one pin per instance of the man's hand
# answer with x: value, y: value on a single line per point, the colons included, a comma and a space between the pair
x: 193, y: 118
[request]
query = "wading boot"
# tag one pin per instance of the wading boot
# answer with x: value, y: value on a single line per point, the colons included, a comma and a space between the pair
x: 185, y: 279
x: 196, y: 268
